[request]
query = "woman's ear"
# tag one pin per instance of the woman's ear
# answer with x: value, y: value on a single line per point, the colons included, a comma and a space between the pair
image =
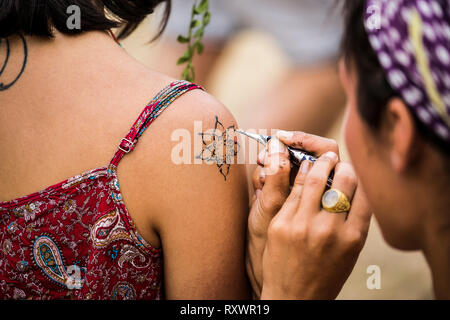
x: 401, y: 133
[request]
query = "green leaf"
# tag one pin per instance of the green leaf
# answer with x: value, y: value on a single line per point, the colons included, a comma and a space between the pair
x: 187, y: 55
x: 207, y: 18
x: 182, y: 39
x: 199, y: 33
x: 200, y: 18
x: 188, y: 73
x: 182, y: 60
x: 185, y: 74
x: 200, y: 47
x: 195, y: 24
x: 202, y: 7
x: 191, y: 74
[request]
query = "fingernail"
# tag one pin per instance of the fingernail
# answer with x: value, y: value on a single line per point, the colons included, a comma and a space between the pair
x: 261, y: 157
x: 276, y: 146
x: 305, y: 167
x: 262, y: 174
x: 258, y: 193
x: 331, y: 155
x: 287, y: 135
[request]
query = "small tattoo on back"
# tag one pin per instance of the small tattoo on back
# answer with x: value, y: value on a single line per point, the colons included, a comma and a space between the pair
x: 217, y: 140
x: 5, y: 49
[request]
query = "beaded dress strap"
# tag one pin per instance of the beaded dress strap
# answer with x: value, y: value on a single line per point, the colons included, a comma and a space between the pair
x: 152, y: 111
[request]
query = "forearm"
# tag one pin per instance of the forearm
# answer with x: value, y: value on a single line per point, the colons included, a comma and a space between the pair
x: 253, y: 262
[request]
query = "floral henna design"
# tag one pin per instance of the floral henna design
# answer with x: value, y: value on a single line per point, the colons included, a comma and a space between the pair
x: 214, y: 144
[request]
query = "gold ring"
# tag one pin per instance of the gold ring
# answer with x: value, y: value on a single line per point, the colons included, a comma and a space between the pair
x: 335, y: 201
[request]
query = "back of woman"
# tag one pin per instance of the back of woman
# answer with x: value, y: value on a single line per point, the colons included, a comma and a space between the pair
x: 75, y: 104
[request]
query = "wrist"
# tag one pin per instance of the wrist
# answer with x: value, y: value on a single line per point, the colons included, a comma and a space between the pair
x: 273, y: 292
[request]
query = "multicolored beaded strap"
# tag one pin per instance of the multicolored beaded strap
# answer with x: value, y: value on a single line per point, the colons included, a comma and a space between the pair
x: 162, y: 100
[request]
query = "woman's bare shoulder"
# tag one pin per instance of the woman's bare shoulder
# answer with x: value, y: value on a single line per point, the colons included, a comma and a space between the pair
x: 182, y: 140
x: 177, y: 157
x: 195, y: 209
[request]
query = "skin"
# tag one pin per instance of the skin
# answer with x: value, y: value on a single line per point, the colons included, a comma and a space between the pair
x: 309, y: 98
x: 87, y: 90
x: 413, y: 210
x: 404, y: 188
x: 290, y: 225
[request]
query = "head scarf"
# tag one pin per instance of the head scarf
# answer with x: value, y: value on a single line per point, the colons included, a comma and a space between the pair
x: 412, y: 41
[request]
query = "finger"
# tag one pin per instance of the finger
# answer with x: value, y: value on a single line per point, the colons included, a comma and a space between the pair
x: 277, y: 169
x: 300, y: 179
x: 316, y: 182
x: 258, y: 178
x: 293, y: 201
x: 345, y: 180
x: 360, y: 212
x: 261, y: 157
x: 308, y: 142
x: 276, y: 157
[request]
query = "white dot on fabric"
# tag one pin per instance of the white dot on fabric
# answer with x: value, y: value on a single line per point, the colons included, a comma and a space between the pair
x: 438, y: 29
x: 442, y: 131
x: 443, y: 55
x: 424, y: 115
x: 412, y: 96
x: 408, y: 47
x: 425, y: 8
x: 429, y: 32
x: 436, y: 78
x: 402, y: 57
x: 406, y: 15
x: 385, y: 60
x: 395, y: 35
x: 446, y: 79
x: 392, y: 8
x: 437, y: 9
x: 385, y: 21
x: 446, y: 31
x: 446, y: 99
x: 397, y: 78
x: 433, y: 111
x: 376, y: 44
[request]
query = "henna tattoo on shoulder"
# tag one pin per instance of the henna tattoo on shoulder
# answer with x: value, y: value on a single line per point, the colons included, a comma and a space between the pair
x: 220, y: 146
x: 6, y: 44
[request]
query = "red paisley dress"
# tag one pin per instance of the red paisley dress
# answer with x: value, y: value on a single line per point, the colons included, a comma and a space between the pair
x: 76, y: 239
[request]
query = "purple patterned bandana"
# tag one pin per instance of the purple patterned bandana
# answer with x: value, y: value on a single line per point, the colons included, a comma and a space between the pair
x: 412, y: 41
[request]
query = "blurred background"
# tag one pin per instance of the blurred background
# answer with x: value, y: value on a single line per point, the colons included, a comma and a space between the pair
x: 274, y: 65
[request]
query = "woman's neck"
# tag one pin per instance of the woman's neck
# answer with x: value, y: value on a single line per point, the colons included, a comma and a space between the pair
x: 69, y: 67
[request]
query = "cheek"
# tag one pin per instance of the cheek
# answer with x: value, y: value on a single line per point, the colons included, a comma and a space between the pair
x: 374, y: 177
x: 352, y: 137
x: 357, y: 146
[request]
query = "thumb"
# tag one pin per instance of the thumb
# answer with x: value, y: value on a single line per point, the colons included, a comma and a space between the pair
x: 276, y: 188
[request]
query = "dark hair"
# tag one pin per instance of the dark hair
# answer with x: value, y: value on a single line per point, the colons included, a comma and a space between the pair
x: 41, y: 17
x: 373, y: 89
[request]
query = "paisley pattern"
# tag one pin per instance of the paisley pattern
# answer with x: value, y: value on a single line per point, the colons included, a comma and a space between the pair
x: 132, y: 255
x: 123, y: 291
x: 108, y: 229
x: 76, y: 239
x: 48, y: 257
